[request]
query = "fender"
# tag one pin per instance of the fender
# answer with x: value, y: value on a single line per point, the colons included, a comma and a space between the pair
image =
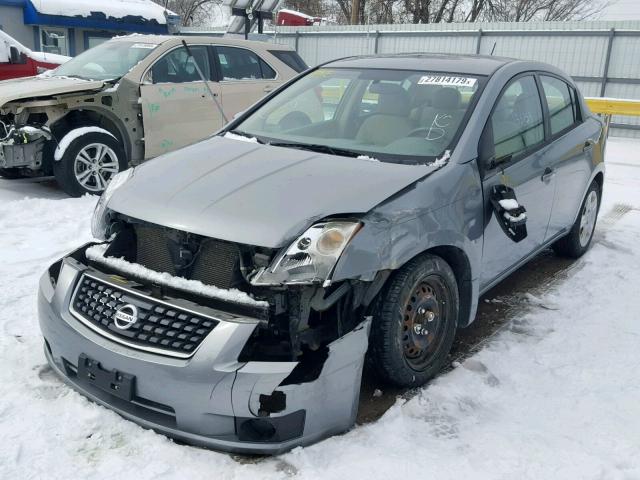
x: 121, y: 131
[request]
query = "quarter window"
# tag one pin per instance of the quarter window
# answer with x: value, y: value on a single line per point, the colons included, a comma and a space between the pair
x: 178, y: 67
x: 517, y: 120
x: 562, y: 110
x: 242, y: 64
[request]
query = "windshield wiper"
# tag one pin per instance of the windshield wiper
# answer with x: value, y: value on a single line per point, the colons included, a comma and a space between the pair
x: 317, y: 148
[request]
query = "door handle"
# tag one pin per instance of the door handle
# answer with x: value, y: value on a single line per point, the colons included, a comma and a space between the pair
x: 588, y: 145
x: 548, y: 174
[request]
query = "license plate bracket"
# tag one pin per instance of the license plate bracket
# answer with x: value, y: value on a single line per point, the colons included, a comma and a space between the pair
x: 119, y: 384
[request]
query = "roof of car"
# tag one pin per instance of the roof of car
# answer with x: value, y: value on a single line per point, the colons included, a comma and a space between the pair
x: 470, y: 64
x: 193, y: 39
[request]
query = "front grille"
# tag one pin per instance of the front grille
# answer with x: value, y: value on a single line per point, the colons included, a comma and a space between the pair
x: 161, y: 327
x: 213, y: 262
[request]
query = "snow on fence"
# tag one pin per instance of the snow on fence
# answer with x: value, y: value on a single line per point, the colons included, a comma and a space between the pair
x: 602, y: 56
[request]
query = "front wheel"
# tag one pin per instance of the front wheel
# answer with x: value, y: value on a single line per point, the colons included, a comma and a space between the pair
x: 577, y: 241
x: 415, y: 322
x: 89, y: 163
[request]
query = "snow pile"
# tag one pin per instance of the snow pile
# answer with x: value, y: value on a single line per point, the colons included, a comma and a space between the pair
x: 96, y: 253
x: 74, y: 134
x: 509, y: 203
x: 442, y: 161
x: 241, y: 138
x: 366, y: 157
x: 554, y: 396
x: 114, y: 8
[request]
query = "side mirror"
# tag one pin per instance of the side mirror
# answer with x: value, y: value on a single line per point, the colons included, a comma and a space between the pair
x: 14, y: 55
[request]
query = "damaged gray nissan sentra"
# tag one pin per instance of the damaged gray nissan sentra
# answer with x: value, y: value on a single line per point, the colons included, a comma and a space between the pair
x: 364, y: 206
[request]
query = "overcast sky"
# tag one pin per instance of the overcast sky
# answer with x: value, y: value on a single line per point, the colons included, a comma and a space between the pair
x: 622, y: 10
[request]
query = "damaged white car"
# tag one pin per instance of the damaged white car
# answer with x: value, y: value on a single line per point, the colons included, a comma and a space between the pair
x: 130, y: 99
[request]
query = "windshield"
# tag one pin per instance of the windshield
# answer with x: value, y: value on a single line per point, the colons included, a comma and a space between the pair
x: 107, y: 61
x: 389, y: 115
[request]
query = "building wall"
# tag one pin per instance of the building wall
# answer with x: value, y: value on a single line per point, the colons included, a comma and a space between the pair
x: 12, y: 22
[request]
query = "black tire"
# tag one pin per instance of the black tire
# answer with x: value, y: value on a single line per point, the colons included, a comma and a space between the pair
x: 11, y: 173
x: 70, y: 171
x: 408, y: 345
x: 577, y: 241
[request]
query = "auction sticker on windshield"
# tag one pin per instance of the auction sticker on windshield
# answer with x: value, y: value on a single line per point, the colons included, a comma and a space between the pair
x: 447, y: 81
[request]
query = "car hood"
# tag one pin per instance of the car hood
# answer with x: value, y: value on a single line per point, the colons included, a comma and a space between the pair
x: 255, y: 194
x: 43, y: 86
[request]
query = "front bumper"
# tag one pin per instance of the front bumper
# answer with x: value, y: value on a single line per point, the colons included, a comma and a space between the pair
x: 27, y: 155
x: 210, y: 399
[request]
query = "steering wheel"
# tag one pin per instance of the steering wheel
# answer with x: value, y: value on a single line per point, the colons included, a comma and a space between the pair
x: 418, y: 132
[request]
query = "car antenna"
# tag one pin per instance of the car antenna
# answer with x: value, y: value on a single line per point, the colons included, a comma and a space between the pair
x: 214, y: 96
x: 492, y: 50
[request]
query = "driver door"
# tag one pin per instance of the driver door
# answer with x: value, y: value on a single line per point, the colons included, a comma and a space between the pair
x: 515, y: 134
x: 177, y: 108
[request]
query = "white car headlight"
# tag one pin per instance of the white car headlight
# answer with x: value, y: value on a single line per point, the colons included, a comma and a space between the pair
x: 312, y: 257
x: 99, y: 220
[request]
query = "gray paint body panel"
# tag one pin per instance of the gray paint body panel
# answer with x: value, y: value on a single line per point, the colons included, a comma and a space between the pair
x: 256, y: 194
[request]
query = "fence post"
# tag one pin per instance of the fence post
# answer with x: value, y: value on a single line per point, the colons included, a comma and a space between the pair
x: 375, y: 42
x: 297, y: 38
x: 479, y: 42
x: 605, y: 74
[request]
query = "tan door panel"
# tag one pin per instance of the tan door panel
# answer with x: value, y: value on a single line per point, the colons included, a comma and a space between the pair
x: 239, y: 95
x: 177, y: 114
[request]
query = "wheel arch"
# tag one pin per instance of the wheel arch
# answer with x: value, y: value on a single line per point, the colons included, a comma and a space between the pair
x: 93, y: 117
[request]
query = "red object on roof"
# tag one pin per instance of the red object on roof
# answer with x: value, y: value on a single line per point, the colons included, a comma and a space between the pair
x: 291, y: 18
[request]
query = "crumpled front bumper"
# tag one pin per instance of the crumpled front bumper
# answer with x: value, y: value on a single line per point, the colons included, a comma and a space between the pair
x: 210, y: 399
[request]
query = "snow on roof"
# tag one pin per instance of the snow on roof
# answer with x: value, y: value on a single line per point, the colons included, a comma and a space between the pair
x: 293, y: 12
x: 38, y: 56
x: 113, y: 8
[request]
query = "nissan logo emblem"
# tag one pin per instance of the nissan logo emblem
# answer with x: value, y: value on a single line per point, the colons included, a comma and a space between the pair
x: 125, y: 316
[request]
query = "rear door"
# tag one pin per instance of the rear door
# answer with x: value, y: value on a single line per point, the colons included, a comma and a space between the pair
x: 244, y: 78
x: 516, y: 133
x: 177, y: 109
x: 570, y: 153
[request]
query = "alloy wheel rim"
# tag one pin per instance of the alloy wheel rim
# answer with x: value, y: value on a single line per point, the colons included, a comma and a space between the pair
x: 94, y: 166
x: 424, y: 320
x: 588, y: 218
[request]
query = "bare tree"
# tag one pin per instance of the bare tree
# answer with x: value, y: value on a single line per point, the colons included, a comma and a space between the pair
x: 192, y: 12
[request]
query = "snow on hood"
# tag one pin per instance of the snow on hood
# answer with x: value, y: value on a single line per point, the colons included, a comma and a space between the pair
x: 114, y: 8
x: 96, y: 253
x: 256, y: 194
x: 43, y: 86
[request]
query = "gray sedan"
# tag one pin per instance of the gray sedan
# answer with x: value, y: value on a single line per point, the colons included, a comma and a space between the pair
x: 361, y: 209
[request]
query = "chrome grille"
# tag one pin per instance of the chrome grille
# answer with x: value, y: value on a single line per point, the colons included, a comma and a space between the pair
x: 161, y: 327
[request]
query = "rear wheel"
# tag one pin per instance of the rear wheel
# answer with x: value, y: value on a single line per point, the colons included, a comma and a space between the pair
x: 578, y: 240
x: 89, y: 163
x: 415, y: 322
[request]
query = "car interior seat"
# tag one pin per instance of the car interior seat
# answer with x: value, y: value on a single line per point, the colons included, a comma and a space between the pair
x: 442, y: 118
x: 391, y: 120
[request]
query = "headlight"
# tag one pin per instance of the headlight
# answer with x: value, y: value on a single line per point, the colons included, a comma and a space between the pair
x: 312, y: 257
x: 99, y: 220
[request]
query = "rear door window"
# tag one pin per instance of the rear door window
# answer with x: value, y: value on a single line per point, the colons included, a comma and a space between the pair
x: 517, y: 120
x: 242, y: 64
x: 560, y: 103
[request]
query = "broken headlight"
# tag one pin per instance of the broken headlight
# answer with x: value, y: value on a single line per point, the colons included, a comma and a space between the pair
x: 312, y: 257
x: 99, y: 220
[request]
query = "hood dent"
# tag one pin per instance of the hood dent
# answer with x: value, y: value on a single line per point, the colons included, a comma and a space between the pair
x: 256, y: 194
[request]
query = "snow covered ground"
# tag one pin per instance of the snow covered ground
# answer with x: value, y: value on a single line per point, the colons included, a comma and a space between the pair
x: 554, y: 395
